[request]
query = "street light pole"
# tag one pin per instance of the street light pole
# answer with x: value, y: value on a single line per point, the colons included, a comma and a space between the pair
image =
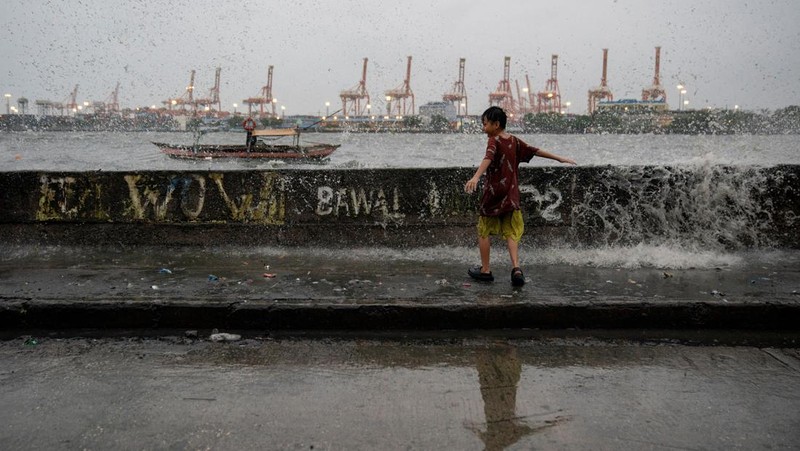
x: 8, y: 103
x: 681, y: 92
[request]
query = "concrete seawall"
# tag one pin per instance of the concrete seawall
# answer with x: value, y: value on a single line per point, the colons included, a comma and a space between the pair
x: 729, y: 206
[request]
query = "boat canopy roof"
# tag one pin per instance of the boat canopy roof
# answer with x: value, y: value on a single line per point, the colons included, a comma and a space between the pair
x: 277, y: 132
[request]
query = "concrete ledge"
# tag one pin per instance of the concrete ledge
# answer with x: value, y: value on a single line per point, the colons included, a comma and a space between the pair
x: 295, y: 288
x: 733, y: 206
x: 314, y: 315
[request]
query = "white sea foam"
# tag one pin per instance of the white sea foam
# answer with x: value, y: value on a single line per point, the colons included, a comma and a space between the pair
x: 664, y: 256
x: 638, y: 256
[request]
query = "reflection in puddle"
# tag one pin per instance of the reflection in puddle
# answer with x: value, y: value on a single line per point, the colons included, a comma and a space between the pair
x: 499, y: 371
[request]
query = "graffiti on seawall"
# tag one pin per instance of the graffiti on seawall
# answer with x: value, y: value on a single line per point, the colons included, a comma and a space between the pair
x: 156, y: 198
x: 359, y: 201
x: 267, y: 198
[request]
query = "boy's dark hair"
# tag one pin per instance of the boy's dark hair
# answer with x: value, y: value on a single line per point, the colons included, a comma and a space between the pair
x: 495, y: 114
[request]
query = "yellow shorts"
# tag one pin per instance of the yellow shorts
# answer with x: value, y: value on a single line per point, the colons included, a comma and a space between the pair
x: 510, y: 225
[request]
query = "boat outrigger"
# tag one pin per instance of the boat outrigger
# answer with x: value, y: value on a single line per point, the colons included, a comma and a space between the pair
x: 255, y: 147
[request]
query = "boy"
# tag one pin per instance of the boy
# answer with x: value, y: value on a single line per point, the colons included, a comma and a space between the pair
x: 499, y: 209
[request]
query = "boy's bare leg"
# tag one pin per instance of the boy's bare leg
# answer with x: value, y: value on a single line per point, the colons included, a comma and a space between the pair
x: 513, y: 252
x: 485, y: 246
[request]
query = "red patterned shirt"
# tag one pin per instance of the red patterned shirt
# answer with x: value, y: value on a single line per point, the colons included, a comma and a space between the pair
x: 501, y: 185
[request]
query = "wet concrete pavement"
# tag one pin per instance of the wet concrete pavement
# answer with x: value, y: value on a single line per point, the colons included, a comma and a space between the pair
x: 416, y: 289
x: 408, y: 392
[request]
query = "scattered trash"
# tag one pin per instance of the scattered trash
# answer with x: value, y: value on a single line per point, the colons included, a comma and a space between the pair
x: 212, y: 278
x: 155, y: 287
x: 30, y: 341
x: 717, y: 293
x: 359, y: 282
x: 506, y: 296
x: 632, y: 282
x: 667, y: 275
x: 165, y: 271
x: 442, y: 282
x: 190, y: 334
x: 270, y: 275
x: 225, y: 337
x: 466, y: 284
x: 609, y: 281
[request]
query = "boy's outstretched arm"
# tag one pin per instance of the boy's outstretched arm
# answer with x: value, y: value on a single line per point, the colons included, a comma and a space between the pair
x: 552, y: 156
x: 472, y: 183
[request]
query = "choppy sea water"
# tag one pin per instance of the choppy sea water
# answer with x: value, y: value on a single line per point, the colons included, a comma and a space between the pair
x: 79, y: 151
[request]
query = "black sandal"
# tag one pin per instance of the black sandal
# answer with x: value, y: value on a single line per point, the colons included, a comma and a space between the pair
x: 517, y: 277
x: 475, y: 273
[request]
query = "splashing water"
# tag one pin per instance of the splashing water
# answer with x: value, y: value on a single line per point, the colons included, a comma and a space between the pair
x: 704, y: 207
x: 699, y: 205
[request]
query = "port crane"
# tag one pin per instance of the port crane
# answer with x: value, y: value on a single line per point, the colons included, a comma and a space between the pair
x: 264, y: 98
x: 72, y: 103
x: 502, y: 96
x: 396, y: 99
x: 656, y: 92
x: 531, y: 108
x: 187, y: 98
x: 602, y: 92
x: 357, y: 96
x: 458, y: 95
x: 111, y: 105
x: 549, y: 100
x: 208, y: 103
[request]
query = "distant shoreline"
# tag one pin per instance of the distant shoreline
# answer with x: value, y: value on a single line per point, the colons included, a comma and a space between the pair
x: 691, y: 122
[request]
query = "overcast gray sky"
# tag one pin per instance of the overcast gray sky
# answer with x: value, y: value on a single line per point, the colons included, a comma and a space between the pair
x: 728, y: 52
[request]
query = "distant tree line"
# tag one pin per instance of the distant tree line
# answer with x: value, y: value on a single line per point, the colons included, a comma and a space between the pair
x: 692, y: 122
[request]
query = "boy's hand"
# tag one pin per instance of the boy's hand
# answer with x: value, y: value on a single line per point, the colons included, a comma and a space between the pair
x: 567, y: 160
x: 471, y: 185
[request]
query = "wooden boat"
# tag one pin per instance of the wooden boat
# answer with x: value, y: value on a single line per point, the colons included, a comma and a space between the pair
x: 255, y: 147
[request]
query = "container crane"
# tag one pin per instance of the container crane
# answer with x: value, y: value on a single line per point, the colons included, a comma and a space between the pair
x: 520, y: 99
x: 531, y: 95
x: 212, y: 100
x: 502, y: 96
x: 458, y: 95
x: 187, y: 98
x: 549, y: 100
x: 44, y: 107
x: 110, y: 105
x: 655, y: 93
x: 264, y: 98
x: 602, y: 92
x: 399, y: 96
x: 72, y: 104
x: 357, y: 96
